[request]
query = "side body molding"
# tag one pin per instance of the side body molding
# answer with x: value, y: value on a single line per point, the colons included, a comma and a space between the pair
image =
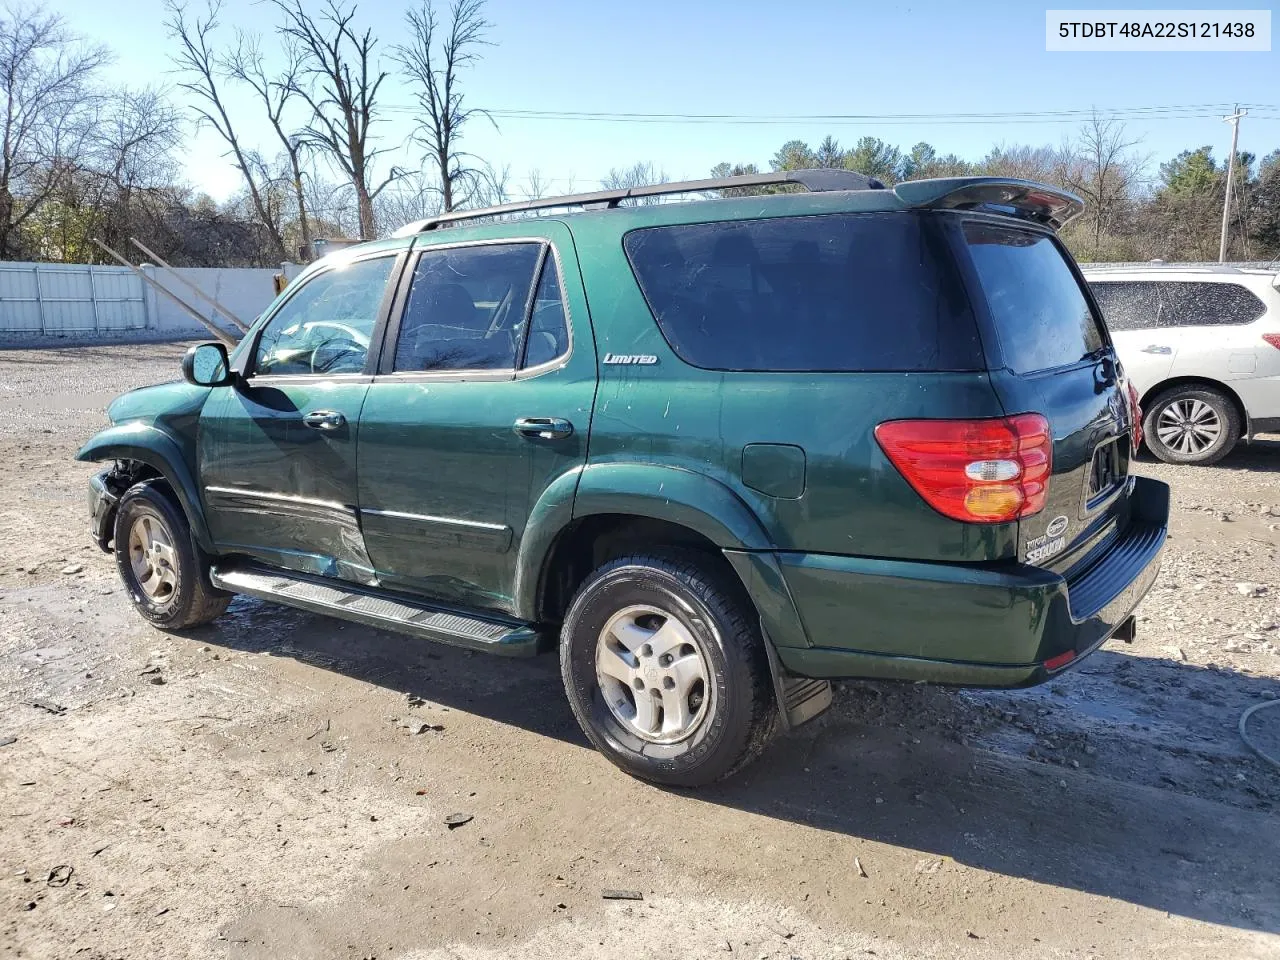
x: 156, y: 448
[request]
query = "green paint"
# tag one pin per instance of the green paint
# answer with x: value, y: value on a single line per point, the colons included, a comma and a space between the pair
x: 428, y: 490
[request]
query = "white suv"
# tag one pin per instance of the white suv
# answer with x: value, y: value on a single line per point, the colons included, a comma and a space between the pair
x: 1201, y: 343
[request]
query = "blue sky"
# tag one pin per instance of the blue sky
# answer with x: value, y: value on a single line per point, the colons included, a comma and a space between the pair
x: 749, y: 58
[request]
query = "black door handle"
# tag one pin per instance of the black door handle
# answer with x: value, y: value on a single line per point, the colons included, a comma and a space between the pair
x: 324, y: 420
x: 544, y: 428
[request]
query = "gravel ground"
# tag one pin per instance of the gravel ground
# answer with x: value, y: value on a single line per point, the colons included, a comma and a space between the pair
x: 259, y: 788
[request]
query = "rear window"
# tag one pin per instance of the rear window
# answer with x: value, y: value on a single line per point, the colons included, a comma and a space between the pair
x: 843, y: 292
x: 1147, y: 304
x: 1040, y: 313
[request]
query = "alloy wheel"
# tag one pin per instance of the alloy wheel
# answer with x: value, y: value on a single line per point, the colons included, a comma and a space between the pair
x: 153, y: 559
x: 1189, y: 426
x: 653, y: 674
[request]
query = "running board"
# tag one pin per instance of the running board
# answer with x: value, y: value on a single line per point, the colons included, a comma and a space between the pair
x: 375, y: 608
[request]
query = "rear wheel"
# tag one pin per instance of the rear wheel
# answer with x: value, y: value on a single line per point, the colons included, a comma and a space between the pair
x: 1193, y: 425
x: 166, y: 577
x: 666, y: 671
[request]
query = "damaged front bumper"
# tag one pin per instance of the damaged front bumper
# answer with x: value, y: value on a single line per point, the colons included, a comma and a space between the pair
x: 104, y: 497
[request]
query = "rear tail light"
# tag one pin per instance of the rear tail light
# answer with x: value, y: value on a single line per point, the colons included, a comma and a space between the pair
x: 978, y: 471
x: 1135, y: 415
x: 1273, y: 339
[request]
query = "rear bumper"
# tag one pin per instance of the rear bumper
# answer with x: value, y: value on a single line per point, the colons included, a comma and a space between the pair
x: 992, y: 626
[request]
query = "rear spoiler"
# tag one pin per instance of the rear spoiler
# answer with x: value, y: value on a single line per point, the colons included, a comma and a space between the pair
x: 1024, y: 199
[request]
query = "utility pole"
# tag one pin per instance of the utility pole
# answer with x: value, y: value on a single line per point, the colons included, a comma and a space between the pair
x: 1234, y: 120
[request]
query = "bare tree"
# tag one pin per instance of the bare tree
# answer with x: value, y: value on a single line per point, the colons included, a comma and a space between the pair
x: 197, y: 61
x: 131, y: 151
x: 1019, y: 160
x: 339, y: 80
x: 246, y: 65
x: 1100, y: 166
x: 412, y: 197
x: 433, y: 63
x: 539, y: 185
x: 46, y: 74
x: 641, y: 174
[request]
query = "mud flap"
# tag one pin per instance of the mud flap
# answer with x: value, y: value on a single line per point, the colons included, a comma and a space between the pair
x: 800, y: 699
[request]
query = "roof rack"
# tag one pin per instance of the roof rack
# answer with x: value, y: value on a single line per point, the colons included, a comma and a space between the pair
x: 815, y: 181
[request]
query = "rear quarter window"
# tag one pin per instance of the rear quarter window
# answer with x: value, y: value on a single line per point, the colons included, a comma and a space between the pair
x: 1203, y: 304
x: 1040, y: 312
x: 1150, y: 304
x: 840, y: 292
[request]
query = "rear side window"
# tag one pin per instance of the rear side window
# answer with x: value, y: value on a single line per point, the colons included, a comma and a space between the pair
x: 1200, y: 304
x: 1040, y: 313
x: 1147, y: 304
x: 1130, y: 305
x: 844, y: 292
x: 466, y: 308
x: 548, y: 336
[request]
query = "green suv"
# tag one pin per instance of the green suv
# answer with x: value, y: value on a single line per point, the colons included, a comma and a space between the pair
x: 715, y: 452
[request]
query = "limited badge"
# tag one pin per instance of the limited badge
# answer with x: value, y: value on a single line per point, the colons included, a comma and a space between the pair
x: 630, y: 359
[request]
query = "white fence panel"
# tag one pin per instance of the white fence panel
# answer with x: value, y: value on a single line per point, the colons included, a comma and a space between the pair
x: 62, y: 299
x: 19, y: 298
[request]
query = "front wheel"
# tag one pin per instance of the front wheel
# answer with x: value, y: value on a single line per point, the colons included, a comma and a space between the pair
x: 665, y: 668
x: 1192, y: 425
x: 167, y: 579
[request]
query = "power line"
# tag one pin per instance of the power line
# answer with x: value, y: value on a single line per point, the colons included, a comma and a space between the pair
x: 1142, y: 113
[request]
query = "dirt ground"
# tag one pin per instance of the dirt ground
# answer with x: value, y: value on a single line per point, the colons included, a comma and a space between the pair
x: 259, y: 788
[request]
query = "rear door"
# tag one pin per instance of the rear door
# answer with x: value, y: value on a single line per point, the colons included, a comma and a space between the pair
x: 1141, y: 328
x: 1216, y: 320
x: 1050, y: 354
x: 482, y: 401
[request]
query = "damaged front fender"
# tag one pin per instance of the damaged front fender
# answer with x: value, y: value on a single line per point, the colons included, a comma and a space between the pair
x: 149, y: 445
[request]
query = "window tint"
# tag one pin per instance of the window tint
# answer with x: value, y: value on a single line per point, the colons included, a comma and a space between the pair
x: 325, y: 327
x: 839, y: 292
x: 1129, y: 305
x: 1201, y: 304
x: 548, y: 332
x: 466, y: 308
x: 1040, y: 313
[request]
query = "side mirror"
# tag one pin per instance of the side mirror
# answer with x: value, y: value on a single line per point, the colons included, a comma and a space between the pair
x: 206, y: 365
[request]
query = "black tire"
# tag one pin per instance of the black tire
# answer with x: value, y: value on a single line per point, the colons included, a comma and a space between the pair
x: 740, y: 713
x: 190, y: 600
x: 1228, y: 418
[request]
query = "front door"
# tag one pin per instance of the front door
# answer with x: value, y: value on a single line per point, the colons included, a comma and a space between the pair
x: 482, y: 401
x: 277, y: 450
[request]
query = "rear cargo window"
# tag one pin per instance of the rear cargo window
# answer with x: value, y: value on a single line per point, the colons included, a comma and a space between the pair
x: 843, y: 292
x: 1040, y: 313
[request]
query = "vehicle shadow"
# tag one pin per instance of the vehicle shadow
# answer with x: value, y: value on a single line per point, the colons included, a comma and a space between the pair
x: 943, y: 772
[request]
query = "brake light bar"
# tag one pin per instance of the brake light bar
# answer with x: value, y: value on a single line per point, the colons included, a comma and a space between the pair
x: 977, y: 471
x: 1273, y: 339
